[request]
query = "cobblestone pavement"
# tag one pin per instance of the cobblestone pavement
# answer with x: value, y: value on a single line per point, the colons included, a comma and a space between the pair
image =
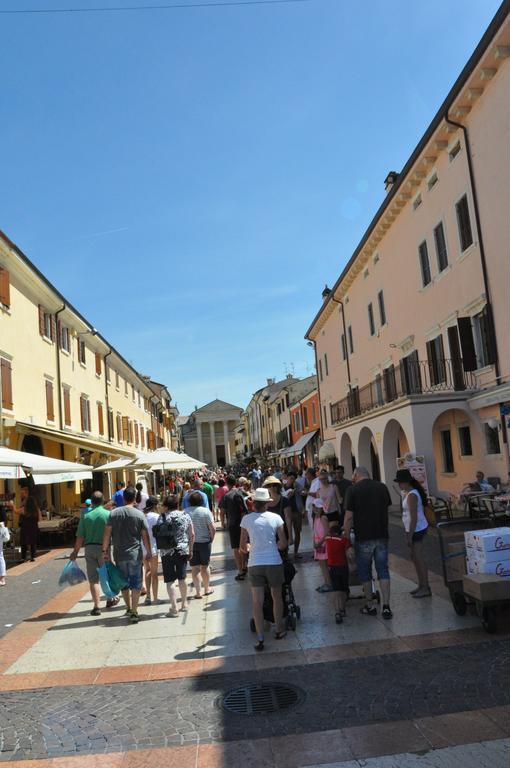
x: 377, y: 689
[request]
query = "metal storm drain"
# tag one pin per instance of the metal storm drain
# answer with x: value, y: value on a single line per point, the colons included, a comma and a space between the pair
x: 261, y: 699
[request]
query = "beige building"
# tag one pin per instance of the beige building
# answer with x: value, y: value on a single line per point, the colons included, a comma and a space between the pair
x: 412, y: 348
x: 65, y: 391
x: 208, y: 433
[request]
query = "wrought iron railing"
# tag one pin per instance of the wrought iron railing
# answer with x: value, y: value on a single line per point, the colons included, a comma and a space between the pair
x: 412, y: 377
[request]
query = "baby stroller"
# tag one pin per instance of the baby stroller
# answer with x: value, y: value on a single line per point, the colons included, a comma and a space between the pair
x: 291, y: 611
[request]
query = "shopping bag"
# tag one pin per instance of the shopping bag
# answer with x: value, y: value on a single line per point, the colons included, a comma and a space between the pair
x: 72, y: 574
x: 104, y: 580
x: 116, y: 580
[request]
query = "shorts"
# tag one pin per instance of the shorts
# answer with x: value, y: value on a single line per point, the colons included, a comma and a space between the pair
x: 262, y: 575
x: 201, y: 553
x: 93, y: 560
x: 132, y: 573
x: 339, y: 575
x: 420, y: 535
x: 174, y: 567
x: 234, y: 531
x: 333, y: 517
x: 374, y: 550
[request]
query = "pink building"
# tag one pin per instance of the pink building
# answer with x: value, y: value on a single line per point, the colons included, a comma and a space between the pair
x: 412, y: 346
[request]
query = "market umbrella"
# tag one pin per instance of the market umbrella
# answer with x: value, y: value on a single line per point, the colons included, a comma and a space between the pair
x: 44, y: 469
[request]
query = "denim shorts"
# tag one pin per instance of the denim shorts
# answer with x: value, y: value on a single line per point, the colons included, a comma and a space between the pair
x: 375, y: 550
x: 132, y: 572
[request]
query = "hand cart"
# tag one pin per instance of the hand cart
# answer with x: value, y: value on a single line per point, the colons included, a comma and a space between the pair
x: 453, y: 556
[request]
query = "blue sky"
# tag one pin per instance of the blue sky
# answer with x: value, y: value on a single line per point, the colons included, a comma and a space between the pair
x: 190, y: 179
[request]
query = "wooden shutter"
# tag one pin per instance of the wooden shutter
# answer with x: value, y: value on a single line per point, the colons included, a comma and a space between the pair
x: 41, y: 320
x: 89, y: 420
x: 67, y: 407
x: 98, y: 364
x: 136, y: 434
x: 110, y: 425
x: 130, y: 431
x: 142, y: 437
x: 119, y: 429
x: 100, y: 418
x: 82, y: 413
x: 5, y: 289
x: 125, y: 429
x: 50, y: 413
x: 467, y: 343
x: 488, y: 335
x: 6, y: 373
x: 53, y: 328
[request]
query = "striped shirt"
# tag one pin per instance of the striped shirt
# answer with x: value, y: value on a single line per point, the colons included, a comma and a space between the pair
x: 201, y: 518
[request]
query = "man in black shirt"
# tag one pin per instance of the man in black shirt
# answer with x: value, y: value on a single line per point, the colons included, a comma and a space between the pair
x: 234, y: 507
x: 342, y: 484
x: 366, y: 512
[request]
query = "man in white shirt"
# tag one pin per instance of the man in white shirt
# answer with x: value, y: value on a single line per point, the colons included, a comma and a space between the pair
x: 312, y: 487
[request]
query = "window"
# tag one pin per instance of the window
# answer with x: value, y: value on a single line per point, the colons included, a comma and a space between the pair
x: 117, y: 381
x: 305, y: 417
x: 344, y: 347
x: 464, y: 223
x: 297, y: 422
x: 65, y: 339
x: 432, y: 181
x: 110, y: 424
x: 126, y: 388
x: 100, y: 421
x: 325, y: 417
x: 435, y: 357
x: 132, y: 392
x: 416, y: 202
x: 351, y: 342
x: 85, y: 414
x: 382, y: 308
x: 314, y: 413
x: 50, y: 408
x: 81, y: 352
x: 125, y: 429
x: 139, y: 400
x: 410, y: 374
x: 46, y: 325
x: 465, y: 441
x: 130, y: 431
x: 446, y: 450
x: 371, y: 323
x: 67, y: 406
x: 287, y: 400
x: 491, y: 439
x: 98, y: 364
x: 136, y: 434
x: 483, y: 340
x: 326, y: 365
x: 5, y: 291
x: 119, y: 428
x: 440, y: 242
x: 379, y: 389
x: 423, y: 252
x: 142, y: 436
x: 390, y: 383
x: 320, y: 370
x: 6, y: 377
x: 454, y: 151
x: 108, y: 373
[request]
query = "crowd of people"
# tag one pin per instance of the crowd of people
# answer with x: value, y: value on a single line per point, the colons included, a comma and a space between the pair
x: 262, y: 513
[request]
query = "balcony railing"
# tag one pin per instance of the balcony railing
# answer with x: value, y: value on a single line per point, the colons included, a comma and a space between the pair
x: 412, y: 377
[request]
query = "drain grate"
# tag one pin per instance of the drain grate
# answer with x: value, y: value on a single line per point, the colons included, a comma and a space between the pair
x: 261, y: 699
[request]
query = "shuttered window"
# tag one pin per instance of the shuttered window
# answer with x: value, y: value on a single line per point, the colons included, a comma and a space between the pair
x: 484, y: 339
x: 130, y: 431
x: 151, y: 442
x: 81, y: 352
x: 435, y: 356
x: 423, y: 253
x: 464, y: 223
x: 119, y: 428
x: 136, y: 435
x: 142, y: 437
x: 382, y: 308
x: 67, y: 406
x: 440, y: 243
x: 326, y: 365
x: 85, y: 414
x: 65, y: 338
x: 98, y: 364
x: 50, y: 411
x: 351, y: 342
x: 5, y: 288
x: 100, y: 418
x: 125, y: 429
x: 467, y: 344
x: 47, y: 325
x: 117, y: 380
x: 110, y: 424
x: 6, y: 375
x: 371, y: 322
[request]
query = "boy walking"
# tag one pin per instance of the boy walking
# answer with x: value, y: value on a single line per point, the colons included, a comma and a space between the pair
x: 336, y: 550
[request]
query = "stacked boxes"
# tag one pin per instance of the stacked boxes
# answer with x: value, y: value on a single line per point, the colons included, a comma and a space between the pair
x: 488, y: 552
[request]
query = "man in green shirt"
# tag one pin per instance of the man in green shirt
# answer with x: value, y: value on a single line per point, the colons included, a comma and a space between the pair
x: 90, y: 534
x: 209, y: 492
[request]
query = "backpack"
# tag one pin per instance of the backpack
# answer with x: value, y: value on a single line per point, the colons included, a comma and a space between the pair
x: 163, y: 532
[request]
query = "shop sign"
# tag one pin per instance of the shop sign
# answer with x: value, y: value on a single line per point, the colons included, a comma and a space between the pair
x: 416, y: 466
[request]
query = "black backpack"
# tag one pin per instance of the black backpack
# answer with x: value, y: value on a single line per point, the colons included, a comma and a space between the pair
x: 164, y: 534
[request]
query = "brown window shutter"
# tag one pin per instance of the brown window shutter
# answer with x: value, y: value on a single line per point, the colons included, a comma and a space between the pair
x: 142, y: 437
x: 50, y: 413
x: 100, y: 418
x: 89, y: 420
x: 67, y: 408
x: 119, y: 429
x: 41, y: 320
x: 6, y: 372
x: 110, y: 425
x: 467, y: 343
x: 82, y: 413
x: 53, y: 329
x: 136, y: 434
x: 98, y: 363
x: 125, y: 429
x: 5, y: 289
x: 130, y: 431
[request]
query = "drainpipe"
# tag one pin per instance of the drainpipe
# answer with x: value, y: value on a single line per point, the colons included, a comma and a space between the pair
x: 59, y: 382
x: 321, y: 420
x: 480, y: 240
x: 337, y: 301
x: 106, y: 398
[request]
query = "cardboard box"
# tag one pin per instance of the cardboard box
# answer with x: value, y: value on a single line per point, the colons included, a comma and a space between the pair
x: 501, y: 568
x: 489, y: 540
x: 487, y: 588
x: 455, y: 563
x: 491, y: 556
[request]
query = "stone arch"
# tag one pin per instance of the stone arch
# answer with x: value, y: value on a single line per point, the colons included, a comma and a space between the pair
x: 368, y: 455
x: 452, y: 467
x: 346, y: 454
x: 395, y: 443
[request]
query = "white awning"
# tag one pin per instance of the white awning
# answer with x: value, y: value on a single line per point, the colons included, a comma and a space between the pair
x: 327, y: 451
x: 299, y: 445
x: 44, y: 469
x: 166, y: 460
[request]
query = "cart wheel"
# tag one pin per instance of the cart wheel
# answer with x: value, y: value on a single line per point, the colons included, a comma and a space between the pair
x: 298, y: 611
x: 252, y: 625
x: 490, y: 620
x: 291, y: 622
x: 459, y: 603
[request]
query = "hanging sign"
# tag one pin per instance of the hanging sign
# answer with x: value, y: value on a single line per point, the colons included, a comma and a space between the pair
x: 416, y: 466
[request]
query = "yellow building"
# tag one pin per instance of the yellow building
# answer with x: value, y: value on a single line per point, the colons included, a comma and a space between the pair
x: 65, y: 391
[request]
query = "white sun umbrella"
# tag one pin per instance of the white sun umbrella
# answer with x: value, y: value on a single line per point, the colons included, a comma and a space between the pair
x: 165, y: 459
x: 44, y: 469
x: 112, y: 466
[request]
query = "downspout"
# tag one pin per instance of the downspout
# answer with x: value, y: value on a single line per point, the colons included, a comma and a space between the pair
x: 106, y: 398
x: 321, y: 420
x: 337, y: 301
x: 59, y: 382
x: 480, y: 240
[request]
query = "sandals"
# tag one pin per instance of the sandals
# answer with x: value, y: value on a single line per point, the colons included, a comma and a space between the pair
x: 422, y: 593
x: 209, y: 593
x: 386, y: 612
x: 259, y: 646
x: 368, y: 610
x: 198, y: 597
x: 280, y: 635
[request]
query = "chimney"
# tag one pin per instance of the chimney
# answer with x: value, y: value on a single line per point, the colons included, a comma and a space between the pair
x: 326, y: 292
x: 289, y: 376
x: 270, y: 382
x: 390, y: 180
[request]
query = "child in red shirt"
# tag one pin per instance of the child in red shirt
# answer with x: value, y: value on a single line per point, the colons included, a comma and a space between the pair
x: 336, y: 550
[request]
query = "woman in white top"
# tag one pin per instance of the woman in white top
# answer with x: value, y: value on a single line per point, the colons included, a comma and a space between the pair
x: 266, y: 534
x: 151, y: 567
x: 414, y: 500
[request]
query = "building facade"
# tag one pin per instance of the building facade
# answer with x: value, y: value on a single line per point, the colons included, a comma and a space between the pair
x: 412, y: 350
x: 208, y: 433
x: 305, y: 421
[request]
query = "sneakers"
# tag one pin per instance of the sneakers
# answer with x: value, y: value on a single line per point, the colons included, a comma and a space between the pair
x: 386, y: 612
x: 369, y: 610
x: 95, y: 612
x: 133, y: 617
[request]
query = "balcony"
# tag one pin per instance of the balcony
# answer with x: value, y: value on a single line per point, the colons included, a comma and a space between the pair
x: 412, y: 378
